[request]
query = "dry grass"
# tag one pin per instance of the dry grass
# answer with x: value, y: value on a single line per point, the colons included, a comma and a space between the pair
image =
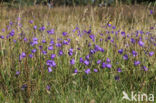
x: 66, y: 87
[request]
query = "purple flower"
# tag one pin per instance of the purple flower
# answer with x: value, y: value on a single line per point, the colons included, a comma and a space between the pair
x: 137, y: 33
x: 98, y: 62
x: 117, y: 78
x: 12, y: 33
x: 48, y: 62
x: 123, y: 33
x: 52, y: 42
x: 113, y: 27
x: 134, y: 53
x: 136, y: 63
x: 92, y: 37
x: 44, y: 52
x: 34, y: 43
x: 141, y: 32
x: 51, y: 63
x: 108, y: 60
x: 24, y: 87
x: 64, y: 33
x: 48, y: 87
x: 101, y: 39
x: 92, y: 51
x: 151, y: 11
x: 109, y: 25
x: 31, y: 21
x: 11, y: 23
x: 119, y: 70
x: 14, y: 40
x: 49, y: 69
x: 112, y: 40
x: 20, y: 25
x: 59, y: 39
x: 87, y: 57
x: 3, y: 30
x: 151, y: 53
x: 30, y: 55
x: 75, y: 71
x: 17, y: 72
x: 145, y: 68
x: 25, y: 39
x: 34, y: 50
x: 120, y: 51
x: 108, y: 66
x: 132, y: 40
x: 70, y: 53
x: 88, y: 32
x: 71, y: 50
x: 60, y: 52
x: 87, y: 71
x: 68, y: 39
x: 7, y: 36
x: 58, y: 44
x: 50, y: 31
x: 8, y: 27
x: 53, y: 56
x: 43, y: 41
x: 97, y: 48
x: 40, y: 47
x: 95, y: 70
x: 50, y: 47
x: 86, y: 62
x: 72, y: 61
x: 34, y: 39
x: 42, y: 28
x: 35, y: 27
x: 101, y: 34
x: 65, y: 42
x: 103, y: 65
x: 23, y: 55
x: 141, y: 43
x: 125, y: 57
x: 102, y: 50
x: 81, y: 60
x: 109, y: 37
x: 2, y: 37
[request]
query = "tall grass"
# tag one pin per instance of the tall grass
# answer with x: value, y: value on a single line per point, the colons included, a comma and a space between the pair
x: 26, y: 79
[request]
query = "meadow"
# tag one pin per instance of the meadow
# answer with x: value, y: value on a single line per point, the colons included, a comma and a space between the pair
x: 77, y: 54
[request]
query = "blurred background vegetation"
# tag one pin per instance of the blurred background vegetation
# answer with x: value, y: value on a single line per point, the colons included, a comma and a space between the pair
x: 75, y: 2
